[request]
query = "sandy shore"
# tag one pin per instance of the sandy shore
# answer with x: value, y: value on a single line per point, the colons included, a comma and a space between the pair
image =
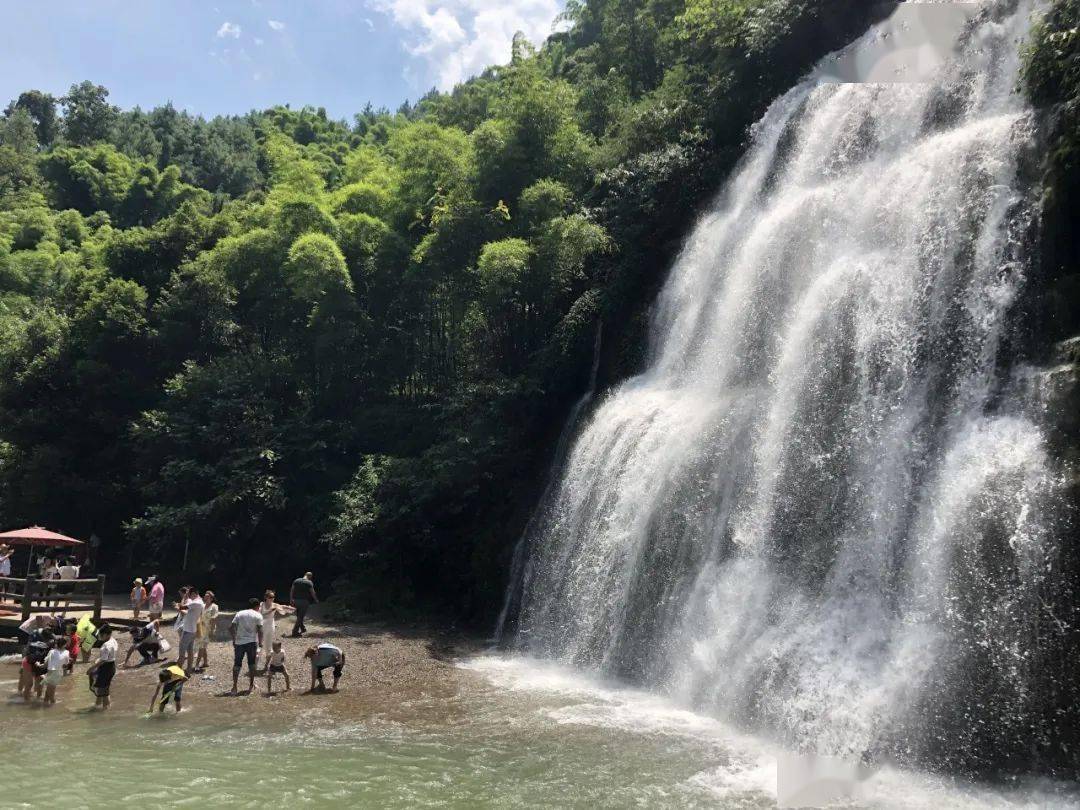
x: 387, y: 669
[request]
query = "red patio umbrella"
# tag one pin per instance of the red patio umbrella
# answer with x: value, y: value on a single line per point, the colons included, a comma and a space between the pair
x: 37, y: 536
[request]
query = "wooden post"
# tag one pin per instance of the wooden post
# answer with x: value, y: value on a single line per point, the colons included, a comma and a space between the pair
x: 28, y: 595
x: 99, y: 596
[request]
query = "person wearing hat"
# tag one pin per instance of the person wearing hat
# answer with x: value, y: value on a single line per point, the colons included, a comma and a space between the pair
x: 138, y: 597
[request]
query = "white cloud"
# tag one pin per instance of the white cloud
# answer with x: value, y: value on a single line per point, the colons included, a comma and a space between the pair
x: 258, y: 41
x: 369, y: 23
x: 277, y: 25
x: 229, y: 29
x: 456, y: 39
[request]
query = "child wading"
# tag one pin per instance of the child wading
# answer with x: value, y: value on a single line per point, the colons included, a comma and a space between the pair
x: 33, y: 662
x: 276, y: 665
x: 102, y: 671
x: 71, y: 637
x: 55, y: 663
x: 170, y: 686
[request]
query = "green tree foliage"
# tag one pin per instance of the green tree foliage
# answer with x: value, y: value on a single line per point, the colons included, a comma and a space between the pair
x: 276, y: 337
x: 41, y: 107
x: 88, y: 116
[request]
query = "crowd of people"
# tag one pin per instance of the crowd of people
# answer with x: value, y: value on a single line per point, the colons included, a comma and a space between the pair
x: 53, y: 571
x: 53, y: 644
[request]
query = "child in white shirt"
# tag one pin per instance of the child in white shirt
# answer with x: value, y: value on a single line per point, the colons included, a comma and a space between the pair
x: 276, y: 664
x: 55, y: 662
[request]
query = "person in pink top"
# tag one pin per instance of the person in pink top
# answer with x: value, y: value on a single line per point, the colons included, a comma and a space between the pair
x: 157, y: 598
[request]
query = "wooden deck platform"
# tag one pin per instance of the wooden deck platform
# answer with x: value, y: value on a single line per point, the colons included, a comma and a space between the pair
x: 120, y: 614
x: 115, y: 608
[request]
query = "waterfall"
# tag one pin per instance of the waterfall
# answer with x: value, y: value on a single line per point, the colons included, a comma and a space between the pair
x: 512, y: 600
x: 824, y: 510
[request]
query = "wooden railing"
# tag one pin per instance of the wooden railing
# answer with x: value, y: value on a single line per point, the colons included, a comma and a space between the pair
x: 46, y: 596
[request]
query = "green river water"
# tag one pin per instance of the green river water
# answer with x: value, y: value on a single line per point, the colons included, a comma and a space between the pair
x: 522, y: 734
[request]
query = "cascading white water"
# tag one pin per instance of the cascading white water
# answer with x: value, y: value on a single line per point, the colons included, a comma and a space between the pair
x: 821, y: 510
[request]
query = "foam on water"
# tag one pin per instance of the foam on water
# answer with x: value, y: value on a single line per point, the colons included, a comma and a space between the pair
x: 747, y: 770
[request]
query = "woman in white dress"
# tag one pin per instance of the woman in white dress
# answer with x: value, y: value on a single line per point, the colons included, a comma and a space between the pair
x: 270, y: 610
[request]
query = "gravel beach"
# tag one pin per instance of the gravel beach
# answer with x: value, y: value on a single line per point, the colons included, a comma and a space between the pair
x: 387, y: 668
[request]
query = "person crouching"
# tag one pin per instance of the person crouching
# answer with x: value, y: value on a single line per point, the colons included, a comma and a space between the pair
x: 170, y: 686
x: 146, y: 641
x: 323, y: 657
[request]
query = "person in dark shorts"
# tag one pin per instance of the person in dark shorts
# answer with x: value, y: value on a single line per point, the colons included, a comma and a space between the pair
x: 325, y: 656
x: 276, y: 666
x: 246, y: 632
x: 170, y: 686
x: 101, y: 671
x: 302, y: 595
x: 146, y: 641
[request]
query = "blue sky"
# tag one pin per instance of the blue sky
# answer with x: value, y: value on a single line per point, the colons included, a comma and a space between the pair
x: 230, y: 56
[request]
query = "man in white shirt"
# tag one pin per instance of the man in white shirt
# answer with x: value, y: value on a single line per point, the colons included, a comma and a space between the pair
x: 246, y: 632
x: 55, y: 662
x: 67, y: 572
x: 190, y: 610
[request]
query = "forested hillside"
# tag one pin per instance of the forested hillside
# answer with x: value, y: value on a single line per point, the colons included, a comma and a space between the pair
x: 277, y: 338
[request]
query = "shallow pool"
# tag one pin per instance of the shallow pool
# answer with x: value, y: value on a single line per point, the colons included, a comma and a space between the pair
x: 520, y: 734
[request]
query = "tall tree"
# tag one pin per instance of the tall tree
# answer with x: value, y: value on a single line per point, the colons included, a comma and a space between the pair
x: 41, y: 107
x: 88, y: 116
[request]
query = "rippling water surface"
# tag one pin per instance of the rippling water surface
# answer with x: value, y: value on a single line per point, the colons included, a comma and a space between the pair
x: 515, y: 734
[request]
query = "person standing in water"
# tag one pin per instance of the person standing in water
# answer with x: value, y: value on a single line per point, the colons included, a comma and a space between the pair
x: 302, y: 595
x: 170, y: 686
x: 246, y: 632
x: 33, y: 663
x: 71, y: 637
x: 55, y: 663
x: 101, y: 671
